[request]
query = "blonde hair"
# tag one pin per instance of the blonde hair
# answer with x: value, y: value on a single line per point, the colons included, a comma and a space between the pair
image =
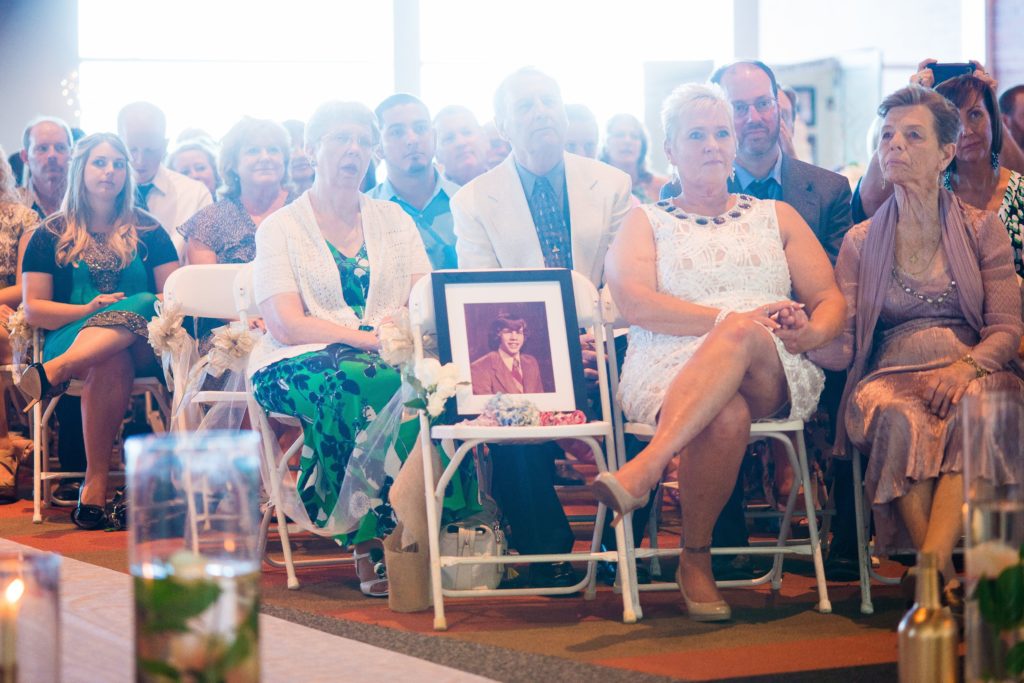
x: 689, y: 98
x: 74, y: 237
x: 8, y: 193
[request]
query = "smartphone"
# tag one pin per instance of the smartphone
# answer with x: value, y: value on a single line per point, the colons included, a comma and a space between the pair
x: 944, y: 72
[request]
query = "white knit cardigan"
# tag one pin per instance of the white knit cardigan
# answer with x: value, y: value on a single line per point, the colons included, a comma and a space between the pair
x: 292, y: 256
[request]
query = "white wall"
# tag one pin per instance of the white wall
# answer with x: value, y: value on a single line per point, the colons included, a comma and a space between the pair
x: 904, y: 32
x: 38, y: 48
x: 900, y: 33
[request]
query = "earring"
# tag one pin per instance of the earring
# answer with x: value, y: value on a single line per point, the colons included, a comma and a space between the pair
x: 995, y: 159
x: 732, y: 176
x: 947, y: 179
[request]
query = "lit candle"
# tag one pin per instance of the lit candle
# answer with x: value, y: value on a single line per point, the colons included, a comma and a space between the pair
x: 9, y: 630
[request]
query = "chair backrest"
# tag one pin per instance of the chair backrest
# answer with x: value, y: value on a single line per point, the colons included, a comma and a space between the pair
x: 610, y: 312
x: 205, y: 290
x: 421, y: 306
x: 244, y: 298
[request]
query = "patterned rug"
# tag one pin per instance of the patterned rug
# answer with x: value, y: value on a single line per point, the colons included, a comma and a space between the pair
x: 772, y: 635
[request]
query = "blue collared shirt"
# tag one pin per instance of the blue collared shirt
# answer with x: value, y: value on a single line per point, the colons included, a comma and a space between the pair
x: 434, y: 220
x: 744, y: 179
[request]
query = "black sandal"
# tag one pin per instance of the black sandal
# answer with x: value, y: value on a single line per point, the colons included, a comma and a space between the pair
x: 117, y: 517
x: 89, y: 517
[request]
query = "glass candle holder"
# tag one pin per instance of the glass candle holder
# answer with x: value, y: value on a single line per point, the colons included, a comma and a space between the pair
x: 993, y: 434
x: 29, y: 617
x: 194, y: 555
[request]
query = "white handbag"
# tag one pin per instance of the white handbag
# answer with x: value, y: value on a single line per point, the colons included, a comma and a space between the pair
x: 473, y: 538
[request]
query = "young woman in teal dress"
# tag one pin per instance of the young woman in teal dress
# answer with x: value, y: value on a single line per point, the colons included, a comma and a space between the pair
x: 91, y: 274
x: 330, y: 267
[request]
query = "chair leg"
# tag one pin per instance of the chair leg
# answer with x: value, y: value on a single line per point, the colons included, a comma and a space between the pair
x: 631, y: 610
x: 37, y: 463
x: 261, y: 543
x: 595, y: 545
x: 652, y: 529
x: 286, y: 548
x: 433, y: 523
x: 863, y: 560
x: 824, y: 604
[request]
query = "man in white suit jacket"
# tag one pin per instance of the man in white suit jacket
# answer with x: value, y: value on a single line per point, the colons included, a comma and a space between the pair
x: 495, y: 228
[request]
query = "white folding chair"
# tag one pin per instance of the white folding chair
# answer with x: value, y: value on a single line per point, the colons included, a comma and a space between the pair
x: 588, y: 311
x: 275, y: 471
x: 207, y: 291
x: 204, y: 291
x: 785, y: 432
x: 150, y: 387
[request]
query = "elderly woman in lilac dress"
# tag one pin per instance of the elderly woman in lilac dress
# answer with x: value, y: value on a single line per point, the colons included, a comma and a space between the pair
x: 934, y: 315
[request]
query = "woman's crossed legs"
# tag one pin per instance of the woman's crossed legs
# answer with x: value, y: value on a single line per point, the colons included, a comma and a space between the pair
x: 734, y: 377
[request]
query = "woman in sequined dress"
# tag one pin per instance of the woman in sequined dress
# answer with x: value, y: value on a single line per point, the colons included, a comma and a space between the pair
x: 91, y: 274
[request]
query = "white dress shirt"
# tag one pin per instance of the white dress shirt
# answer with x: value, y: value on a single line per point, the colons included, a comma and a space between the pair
x: 173, y: 200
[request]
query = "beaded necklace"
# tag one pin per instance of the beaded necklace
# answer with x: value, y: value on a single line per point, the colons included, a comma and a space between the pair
x: 743, y: 203
x: 928, y: 299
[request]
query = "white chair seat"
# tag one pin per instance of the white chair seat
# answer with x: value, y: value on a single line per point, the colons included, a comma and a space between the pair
x: 520, y: 434
x: 641, y: 430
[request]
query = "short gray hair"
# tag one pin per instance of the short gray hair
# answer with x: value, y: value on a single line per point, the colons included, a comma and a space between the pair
x: 26, y: 136
x: 332, y: 113
x: 689, y: 98
x: 945, y: 115
x: 501, y: 94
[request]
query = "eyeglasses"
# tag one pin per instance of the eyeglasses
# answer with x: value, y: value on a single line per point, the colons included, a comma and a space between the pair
x: 761, y: 106
x: 346, y: 139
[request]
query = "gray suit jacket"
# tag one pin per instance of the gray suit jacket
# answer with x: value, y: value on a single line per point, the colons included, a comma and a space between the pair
x: 822, y: 198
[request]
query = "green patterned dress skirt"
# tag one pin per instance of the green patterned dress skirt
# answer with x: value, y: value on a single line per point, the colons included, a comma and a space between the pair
x: 96, y: 274
x: 337, y: 393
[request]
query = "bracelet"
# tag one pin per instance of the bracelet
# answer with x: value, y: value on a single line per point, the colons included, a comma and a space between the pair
x: 721, y: 315
x: 979, y: 371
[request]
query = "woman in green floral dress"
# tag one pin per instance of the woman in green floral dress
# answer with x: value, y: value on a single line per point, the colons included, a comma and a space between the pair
x: 330, y: 267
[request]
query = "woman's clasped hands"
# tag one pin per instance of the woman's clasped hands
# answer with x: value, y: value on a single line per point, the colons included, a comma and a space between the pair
x: 787, y: 320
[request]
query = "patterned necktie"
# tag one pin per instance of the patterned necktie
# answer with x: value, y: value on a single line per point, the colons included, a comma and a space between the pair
x: 549, y: 221
x: 517, y: 373
x: 142, y: 196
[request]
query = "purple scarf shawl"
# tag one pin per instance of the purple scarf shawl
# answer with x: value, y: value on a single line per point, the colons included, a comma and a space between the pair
x: 876, y: 263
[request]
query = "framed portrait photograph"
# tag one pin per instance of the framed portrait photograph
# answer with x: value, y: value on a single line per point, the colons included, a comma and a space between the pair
x: 510, y: 332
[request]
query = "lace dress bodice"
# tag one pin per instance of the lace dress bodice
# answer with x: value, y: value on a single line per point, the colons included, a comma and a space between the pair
x: 734, y: 261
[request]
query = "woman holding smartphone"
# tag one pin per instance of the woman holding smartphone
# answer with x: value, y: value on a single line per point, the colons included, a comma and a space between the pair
x: 986, y: 171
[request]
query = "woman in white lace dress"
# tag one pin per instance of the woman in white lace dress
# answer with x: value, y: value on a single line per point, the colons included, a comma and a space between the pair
x: 724, y: 294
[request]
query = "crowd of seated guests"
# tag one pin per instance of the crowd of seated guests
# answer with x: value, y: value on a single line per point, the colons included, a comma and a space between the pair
x: 727, y: 283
